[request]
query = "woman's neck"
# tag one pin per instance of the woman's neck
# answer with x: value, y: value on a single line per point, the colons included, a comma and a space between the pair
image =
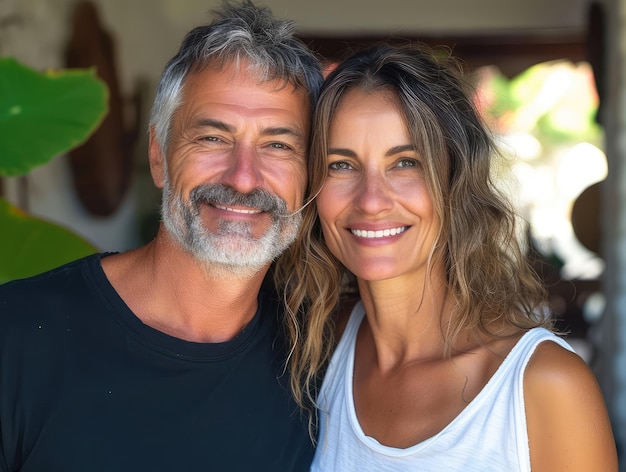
x: 405, y: 318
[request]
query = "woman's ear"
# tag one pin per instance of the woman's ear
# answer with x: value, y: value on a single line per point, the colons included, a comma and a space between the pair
x: 156, y: 159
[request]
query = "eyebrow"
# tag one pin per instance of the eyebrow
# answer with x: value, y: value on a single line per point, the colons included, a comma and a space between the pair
x: 282, y: 130
x: 399, y: 149
x: 276, y: 131
x: 342, y: 152
x: 208, y: 122
x: 390, y: 152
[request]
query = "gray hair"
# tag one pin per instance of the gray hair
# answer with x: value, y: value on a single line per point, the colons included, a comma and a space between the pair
x: 238, y: 32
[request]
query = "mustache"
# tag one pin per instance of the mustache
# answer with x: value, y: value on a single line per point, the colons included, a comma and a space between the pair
x: 227, y: 196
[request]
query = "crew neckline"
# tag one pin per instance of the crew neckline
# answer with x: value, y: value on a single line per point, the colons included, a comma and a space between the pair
x: 158, y: 340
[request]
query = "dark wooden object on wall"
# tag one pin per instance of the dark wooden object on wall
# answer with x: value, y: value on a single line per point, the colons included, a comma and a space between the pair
x: 102, y: 166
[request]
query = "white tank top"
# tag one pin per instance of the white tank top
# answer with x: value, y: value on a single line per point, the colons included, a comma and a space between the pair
x: 489, y: 435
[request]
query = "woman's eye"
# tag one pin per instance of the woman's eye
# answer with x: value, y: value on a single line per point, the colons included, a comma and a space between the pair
x: 406, y: 162
x: 339, y: 165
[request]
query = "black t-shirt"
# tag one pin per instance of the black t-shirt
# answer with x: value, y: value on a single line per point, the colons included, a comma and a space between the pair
x: 86, y: 386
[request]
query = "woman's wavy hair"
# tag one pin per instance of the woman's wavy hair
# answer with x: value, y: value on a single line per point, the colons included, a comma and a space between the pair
x: 487, y: 272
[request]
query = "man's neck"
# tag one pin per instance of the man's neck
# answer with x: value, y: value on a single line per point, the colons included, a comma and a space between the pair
x: 169, y: 291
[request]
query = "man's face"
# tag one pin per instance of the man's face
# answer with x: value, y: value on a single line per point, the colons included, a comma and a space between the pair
x: 235, y: 168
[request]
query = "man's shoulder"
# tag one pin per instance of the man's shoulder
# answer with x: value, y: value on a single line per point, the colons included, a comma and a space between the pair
x: 47, y: 278
x: 44, y: 302
x: 19, y: 296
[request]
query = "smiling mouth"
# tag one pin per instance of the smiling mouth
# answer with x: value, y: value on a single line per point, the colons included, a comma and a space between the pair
x: 381, y: 233
x: 245, y: 211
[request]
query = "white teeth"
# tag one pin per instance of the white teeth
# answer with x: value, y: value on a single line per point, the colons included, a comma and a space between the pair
x: 361, y: 233
x: 238, y: 210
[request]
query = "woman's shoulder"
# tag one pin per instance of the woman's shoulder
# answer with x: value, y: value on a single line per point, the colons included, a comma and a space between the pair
x: 560, y: 378
x: 563, y: 403
x: 554, y: 366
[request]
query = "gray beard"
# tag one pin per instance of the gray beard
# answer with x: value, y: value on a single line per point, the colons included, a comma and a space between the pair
x: 232, y: 249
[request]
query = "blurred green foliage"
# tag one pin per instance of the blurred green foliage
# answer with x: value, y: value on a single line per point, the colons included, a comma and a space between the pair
x: 42, y: 115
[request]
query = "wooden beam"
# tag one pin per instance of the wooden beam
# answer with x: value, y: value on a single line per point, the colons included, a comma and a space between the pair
x: 512, y: 53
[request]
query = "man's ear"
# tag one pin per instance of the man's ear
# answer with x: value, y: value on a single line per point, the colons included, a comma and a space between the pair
x: 156, y: 159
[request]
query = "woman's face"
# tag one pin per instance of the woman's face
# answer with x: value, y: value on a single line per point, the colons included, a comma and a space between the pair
x: 376, y: 213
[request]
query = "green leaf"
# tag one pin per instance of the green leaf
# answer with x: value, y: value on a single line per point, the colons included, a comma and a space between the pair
x: 43, y: 115
x: 29, y: 245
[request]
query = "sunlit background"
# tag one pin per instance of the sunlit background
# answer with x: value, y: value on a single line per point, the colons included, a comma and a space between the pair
x: 545, y: 122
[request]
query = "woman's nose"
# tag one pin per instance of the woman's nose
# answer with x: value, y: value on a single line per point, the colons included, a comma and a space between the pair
x: 373, y: 194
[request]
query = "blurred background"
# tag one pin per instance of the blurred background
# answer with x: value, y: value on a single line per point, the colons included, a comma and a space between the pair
x: 549, y: 79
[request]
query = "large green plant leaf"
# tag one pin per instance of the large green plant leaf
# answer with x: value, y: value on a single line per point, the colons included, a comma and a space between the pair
x: 29, y: 246
x: 45, y: 114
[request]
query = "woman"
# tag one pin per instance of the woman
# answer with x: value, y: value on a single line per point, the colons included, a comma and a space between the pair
x: 447, y: 361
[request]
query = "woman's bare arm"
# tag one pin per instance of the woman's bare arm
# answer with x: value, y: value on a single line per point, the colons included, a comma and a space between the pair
x: 568, y: 424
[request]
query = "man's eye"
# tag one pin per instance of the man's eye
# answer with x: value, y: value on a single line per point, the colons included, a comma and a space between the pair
x: 208, y: 140
x: 282, y: 146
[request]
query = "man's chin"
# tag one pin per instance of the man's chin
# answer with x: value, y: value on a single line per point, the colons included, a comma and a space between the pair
x: 217, y: 270
x: 236, y: 253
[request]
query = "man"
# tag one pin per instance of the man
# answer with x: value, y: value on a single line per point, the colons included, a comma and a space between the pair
x: 169, y: 357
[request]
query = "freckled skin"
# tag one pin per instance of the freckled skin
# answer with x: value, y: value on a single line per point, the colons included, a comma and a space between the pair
x: 375, y: 183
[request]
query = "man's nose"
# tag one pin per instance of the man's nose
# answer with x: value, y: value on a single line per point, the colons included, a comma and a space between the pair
x: 244, y: 172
